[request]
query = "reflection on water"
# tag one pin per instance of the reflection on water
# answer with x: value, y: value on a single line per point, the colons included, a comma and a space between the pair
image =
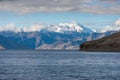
x: 59, y: 65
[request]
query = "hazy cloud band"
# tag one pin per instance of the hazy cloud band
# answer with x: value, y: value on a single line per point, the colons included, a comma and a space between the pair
x: 87, y: 6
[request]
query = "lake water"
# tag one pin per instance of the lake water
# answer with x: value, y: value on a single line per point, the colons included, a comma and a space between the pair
x: 59, y: 65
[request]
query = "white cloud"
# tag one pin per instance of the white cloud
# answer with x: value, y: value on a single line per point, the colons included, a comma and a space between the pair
x: 33, y: 28
x: 12, y: 27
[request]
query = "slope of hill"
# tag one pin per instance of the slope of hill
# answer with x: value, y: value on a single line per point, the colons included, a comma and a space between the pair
x: 110, y: 43
x: 7, y: 43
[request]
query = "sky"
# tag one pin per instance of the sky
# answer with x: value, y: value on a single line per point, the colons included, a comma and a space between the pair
x: 91, y: 13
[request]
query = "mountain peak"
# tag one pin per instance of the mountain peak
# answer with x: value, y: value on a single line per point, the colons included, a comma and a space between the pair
x: 117, y: 23
x: 72, y: 26
x: 113, y: 27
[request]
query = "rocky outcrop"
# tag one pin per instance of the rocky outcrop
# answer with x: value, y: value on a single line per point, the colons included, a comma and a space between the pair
x: 110, y: 43
x: 1, y: 47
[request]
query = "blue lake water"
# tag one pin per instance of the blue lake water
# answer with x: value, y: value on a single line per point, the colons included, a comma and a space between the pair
x: 59, y: 65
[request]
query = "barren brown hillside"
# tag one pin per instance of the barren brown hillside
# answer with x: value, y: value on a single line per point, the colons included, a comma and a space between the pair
x: 110, y: 43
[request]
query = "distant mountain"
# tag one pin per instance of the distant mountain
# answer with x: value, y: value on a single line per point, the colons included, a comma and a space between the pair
x: 113, y: 27
x: 60, y: 28
x: 48, y: 40
x: 68, y: 27
x: 63, y: 36
x: 109, y: 43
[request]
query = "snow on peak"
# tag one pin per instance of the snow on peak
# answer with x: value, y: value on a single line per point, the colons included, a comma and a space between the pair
x: 73, y: 26
x: 65, y: 27
x: 60, y: 28
x: 113, y: 27
x: 110, y: 28
x: 117, y: 23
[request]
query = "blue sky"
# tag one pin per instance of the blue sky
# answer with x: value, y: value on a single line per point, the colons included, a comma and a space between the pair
x: 56, y: 18
x: 92, y: 13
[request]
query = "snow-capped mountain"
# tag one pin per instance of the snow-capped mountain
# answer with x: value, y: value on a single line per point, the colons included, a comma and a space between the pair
x: 68, y: 27
x: 113, y: 27
x: 61, y: 36
x: 60, y: 28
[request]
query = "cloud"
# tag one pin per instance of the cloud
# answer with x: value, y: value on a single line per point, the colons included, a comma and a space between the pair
x: 88, y: 6
x: 110, y: 1
x: 6, y: 0
x: 33, y: 28
x: 57, y: 28
x: 12, y: 27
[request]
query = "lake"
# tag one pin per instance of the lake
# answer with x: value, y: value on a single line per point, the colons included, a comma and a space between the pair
x: 59, y: 65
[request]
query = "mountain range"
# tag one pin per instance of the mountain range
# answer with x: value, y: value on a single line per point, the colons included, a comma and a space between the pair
x: 65, y: 36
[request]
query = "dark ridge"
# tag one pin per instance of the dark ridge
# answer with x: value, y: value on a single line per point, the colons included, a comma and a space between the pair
x: 109, y: 44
